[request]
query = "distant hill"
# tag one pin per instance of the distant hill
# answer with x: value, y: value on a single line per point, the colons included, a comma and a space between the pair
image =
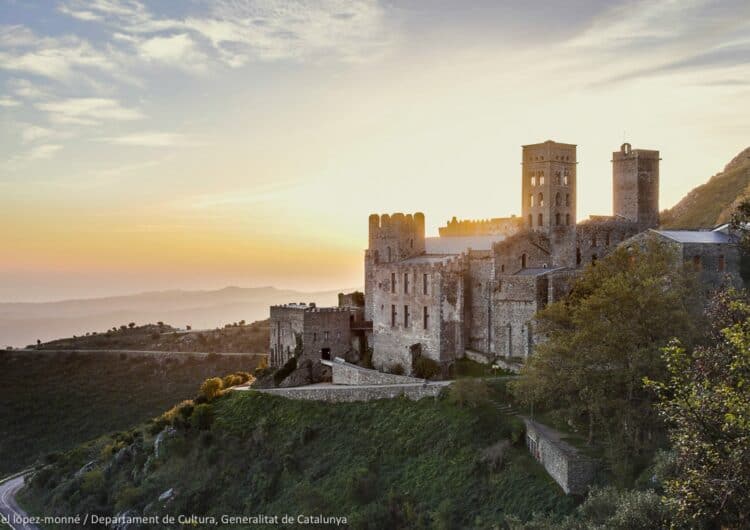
x: 23, y: 323
x: 713, y: 202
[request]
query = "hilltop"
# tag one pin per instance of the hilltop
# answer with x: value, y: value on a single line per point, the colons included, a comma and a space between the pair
x: 713, y: 202
x: 23, y: 323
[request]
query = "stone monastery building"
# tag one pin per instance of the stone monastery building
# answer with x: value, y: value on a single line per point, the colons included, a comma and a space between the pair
x: 474, y: 290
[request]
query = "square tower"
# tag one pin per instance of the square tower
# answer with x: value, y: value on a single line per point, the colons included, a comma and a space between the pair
x: 549, y: 196
x: 635, y: 176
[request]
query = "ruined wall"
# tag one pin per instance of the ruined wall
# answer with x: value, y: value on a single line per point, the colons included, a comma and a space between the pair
x: 479, y: 285
x: 327, y: 333
x: 573, y: 471
x: 394, y: 340
x: 286, y: 325
x: 344, y: 373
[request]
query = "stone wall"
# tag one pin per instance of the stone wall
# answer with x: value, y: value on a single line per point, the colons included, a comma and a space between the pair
x: 350, y: 374
x: 573, y: 471
x: 327, y: 333
x: 479, y: 283
x: 341, y: 394
x: 714, y: 263
x: 286, y: 326
x: 599, y: 236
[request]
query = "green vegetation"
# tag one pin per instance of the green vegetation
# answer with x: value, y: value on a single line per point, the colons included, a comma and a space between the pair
x: 53, y: 401
x: 384, y: 464
x: 237, y: 337
x: 713, y: 202
x: 706, y: 402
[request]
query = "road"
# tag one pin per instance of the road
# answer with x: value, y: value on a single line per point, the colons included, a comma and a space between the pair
x: 9, y: 507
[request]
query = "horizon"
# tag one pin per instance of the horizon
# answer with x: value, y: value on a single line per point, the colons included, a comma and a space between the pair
x: 195, y: 146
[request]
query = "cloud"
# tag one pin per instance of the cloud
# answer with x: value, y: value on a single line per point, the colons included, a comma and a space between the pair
x: 88, y: 111
x: 25, y: 89
x: 9, y: 102
x: 150, y: 139
x: 31, y: 133
x: 43, y: 151
x: 177, y: 50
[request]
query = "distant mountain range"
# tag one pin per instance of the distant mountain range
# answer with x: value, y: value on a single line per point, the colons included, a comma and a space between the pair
x: 23, y: 323
x: 713, y: 202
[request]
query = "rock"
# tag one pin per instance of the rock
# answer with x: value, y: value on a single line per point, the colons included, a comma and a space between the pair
x: 167, y: 495
x: 122, y: 523
x: 85, y: 469
x: 123, y: 455
x: 159, y: 442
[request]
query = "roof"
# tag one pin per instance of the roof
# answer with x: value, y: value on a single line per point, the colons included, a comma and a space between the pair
x: 429, y: 258
x: 695, y: 236
x: 460, y: 244
x: 537, y: 271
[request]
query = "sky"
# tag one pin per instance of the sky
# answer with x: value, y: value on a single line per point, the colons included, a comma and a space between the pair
x: 199, y: 144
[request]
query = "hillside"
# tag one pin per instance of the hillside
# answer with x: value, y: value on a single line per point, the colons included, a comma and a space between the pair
x: 23, y: 323
x: 713, y: 202
x: 52, y: 402
x: 236, y: 337
x: 384, y: 464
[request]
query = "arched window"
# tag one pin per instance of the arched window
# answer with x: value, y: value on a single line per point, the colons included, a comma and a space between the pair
x: 558, y: 200
x: 541, y: 220
x: 523, y: 261
x: 531, y: 200
x: 533, y: 180
x: 565, y: 178
x: 541, y: 179
x: 567, y: 199
x: 541, y: 200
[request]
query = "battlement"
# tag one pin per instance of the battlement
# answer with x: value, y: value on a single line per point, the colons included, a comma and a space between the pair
x: 397, y: 236
x: 386, y: 225
x: 293, y: 305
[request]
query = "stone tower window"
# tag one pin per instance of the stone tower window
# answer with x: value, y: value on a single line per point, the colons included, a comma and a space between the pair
x: 541, y: 200
x: 531, y: 200
x: 533, y: 180
x: 558, y: 179
x: 541, y: 179
x: 389, y: 254
x: 424, y: 284
x: 557, y: 219
x: 541, y: 219
x: 567, y: 199
x: 567, y: 219
x: 425, y: 317
x: 406, y: 283
x: 558, y: 200
x: 411, y: 243
x: 393, y: 282
x: 722, y: 264
x: 531, y: 220
x: 565, y: 178
x: 393, y: 316
x: 697, y: 264
x: 406, y: 316
x: 579, y: 259
x: 523, y: 261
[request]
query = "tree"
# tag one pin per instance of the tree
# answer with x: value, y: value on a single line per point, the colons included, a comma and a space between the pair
x: 131, y: 325
x: 603, y: 339
x: 211, y: 388
x: 705, y: 400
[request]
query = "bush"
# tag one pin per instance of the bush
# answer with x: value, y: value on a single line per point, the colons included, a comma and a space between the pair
x: 202, y: 417
x: 93, y: 482
x: 469, y: 392
x: 211, y: 388
x: 127, y: 498
x: 426, y: 368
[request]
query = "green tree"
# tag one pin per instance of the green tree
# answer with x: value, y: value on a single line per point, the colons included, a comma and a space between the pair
x: 706, y: 403
x: 603, y: 339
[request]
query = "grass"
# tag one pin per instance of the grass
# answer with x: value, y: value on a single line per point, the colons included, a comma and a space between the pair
x: 384, y: 464
x: 51, y: 402
x: 468, y: 368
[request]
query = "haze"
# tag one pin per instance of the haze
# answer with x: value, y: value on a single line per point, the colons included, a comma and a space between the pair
x: 150, y: 146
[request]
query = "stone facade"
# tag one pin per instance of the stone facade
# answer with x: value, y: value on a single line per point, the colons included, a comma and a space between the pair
x: 477, y: 287
x: 573, y: 471
x: 286, y: 331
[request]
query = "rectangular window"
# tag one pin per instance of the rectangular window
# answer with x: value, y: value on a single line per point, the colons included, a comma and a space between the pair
x: 424, y: 284
x: 315, y: 337
x: 426, y: 318
x: 406, y: 283
x: 722, y: 264
x: 406, y: 316
x: 393, y: 282
x: 393, y: 316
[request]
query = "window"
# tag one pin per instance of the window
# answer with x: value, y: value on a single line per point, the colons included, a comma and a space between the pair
x: 557, y: 219
x: 393, y: 316
x: 533, y: 180
x: 608, y: 240
x: 566, y: 179
x: 594, y: 257
x: 531, y: 200
x: 531, y: 220
x: 393, y: 282
x: 541, y: 200
x: 502, y: 267
x: 326, y: 336
x: 389, y: 254
x: 541, y: 179
x: 567, y: 199
x: 425, y: 317
x: 406, y: 283
x: 315, y: 337
x: 697, y: 263
x: 578, y: 256
x: 558, y: 178
x: 523, y: 261
x: 567, y: 219
x: 541, y: 220
x: 558, y: 200
x: 424, y: 284
x: 722, y: 264
x: 406, y: 316
x: 411, y: 243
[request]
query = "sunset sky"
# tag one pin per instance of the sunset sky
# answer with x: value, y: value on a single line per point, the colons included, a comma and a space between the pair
x: 199, y: 144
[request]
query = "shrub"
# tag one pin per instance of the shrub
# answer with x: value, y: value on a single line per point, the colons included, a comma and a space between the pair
x: 469, y: 392
x: 211, y: 388
x: 202, y: 417
x: 93, y: 482
x: 426, y: 368
x: 127, y: 498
